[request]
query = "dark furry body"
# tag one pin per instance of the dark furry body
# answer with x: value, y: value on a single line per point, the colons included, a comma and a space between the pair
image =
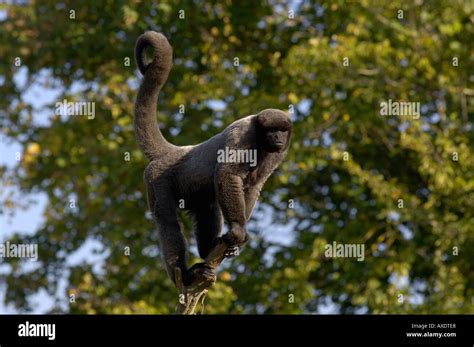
x: 212, y: 192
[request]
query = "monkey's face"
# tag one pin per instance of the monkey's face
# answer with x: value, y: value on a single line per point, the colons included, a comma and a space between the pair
x: 276, y: 140
x: 274, y: 130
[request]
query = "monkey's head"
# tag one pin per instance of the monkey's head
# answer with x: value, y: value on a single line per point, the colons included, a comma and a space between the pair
x: 274, y: 130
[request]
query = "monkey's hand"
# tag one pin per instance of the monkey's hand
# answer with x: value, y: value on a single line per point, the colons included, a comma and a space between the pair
x: 232, y: 251
x: 200, y: 272
x: 235, y: 240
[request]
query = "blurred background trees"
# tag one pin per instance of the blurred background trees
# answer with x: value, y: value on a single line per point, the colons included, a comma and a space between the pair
x: 404, y: 187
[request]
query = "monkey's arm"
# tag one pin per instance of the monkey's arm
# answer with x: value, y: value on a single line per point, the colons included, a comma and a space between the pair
x: 253, y: 192
x: 230, y: 193
x: 231, y: 197
x: 251, y: 197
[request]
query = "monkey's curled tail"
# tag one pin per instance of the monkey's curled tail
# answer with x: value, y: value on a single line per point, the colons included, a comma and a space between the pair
x: 155, y: 73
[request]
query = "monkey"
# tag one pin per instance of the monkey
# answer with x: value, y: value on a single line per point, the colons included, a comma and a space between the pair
x: 213, y: 191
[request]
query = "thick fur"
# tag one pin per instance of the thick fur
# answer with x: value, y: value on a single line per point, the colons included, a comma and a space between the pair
x: 212, y: 191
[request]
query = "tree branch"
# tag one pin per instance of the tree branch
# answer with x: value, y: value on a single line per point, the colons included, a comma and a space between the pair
x: 190, y: 296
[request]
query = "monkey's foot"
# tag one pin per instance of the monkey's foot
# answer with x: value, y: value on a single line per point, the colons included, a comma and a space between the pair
x: 232, y: 251
x: 200, y: 272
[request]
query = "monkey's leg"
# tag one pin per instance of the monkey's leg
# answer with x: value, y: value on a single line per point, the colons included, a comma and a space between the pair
x: 209, y: 223
x: 173, y: 245
x: 230, y: 194
x: 172, y: 242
